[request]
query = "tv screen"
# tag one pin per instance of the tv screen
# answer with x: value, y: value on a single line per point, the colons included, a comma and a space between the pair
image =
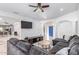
x: 26, y: 24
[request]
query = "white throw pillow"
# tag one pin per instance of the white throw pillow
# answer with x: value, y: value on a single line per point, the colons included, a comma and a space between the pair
x: 63, y: 51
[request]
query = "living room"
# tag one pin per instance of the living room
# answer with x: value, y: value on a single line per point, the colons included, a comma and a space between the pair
x: 44, y: 26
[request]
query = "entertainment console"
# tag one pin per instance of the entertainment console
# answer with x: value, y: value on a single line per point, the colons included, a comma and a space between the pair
x: 33, y: 40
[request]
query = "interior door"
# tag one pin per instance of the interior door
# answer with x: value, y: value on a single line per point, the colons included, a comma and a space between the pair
x: 51, y: 31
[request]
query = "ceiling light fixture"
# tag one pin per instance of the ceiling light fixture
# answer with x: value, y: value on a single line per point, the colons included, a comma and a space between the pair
x: 0, y: 18
x: 39, y: 6
x: 44, y: 14
x: 61, y: 9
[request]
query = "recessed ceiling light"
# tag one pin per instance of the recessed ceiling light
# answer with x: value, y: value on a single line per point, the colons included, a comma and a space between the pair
x: 0, y: 18
x: 61, y: 9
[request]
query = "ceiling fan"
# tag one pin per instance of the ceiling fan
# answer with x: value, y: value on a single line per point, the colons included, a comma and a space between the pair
x: 39, y: 6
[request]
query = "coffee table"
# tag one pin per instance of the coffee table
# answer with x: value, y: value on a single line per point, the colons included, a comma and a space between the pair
x: 45, y: 44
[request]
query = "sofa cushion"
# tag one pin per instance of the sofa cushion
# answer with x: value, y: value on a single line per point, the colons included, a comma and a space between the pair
x: 74, y: 45
x: 63, y: 51
x: 24, y: 46
x: 37, y: 51
x: 13, y: 50
x: 58, y: 46
x: 58, y: 40
x: 74, y: 40
x: 74, y: 50
x: 13, y: 41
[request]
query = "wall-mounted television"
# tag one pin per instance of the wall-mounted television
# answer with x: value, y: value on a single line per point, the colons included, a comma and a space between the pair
x: 26, y: 24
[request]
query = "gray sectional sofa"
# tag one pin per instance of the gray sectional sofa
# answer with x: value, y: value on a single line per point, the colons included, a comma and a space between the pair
x: 74, y: 45
x: 19, y: 47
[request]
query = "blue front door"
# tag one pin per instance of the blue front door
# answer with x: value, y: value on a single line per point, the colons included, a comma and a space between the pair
x: 51, y: 31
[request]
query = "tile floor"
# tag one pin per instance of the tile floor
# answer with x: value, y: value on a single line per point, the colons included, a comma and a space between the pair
x: 3, y: 44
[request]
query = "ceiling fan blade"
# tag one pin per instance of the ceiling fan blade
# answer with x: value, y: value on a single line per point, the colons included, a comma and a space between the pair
x: 32, y: 6
x: 35, y: 10
x: 45, y: 6
x: 41, y: 9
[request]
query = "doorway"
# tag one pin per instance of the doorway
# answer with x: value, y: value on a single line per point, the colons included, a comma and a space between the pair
x: 49, y: 32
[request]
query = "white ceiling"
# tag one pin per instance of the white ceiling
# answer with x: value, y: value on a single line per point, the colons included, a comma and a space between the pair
x: 51, y: 12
